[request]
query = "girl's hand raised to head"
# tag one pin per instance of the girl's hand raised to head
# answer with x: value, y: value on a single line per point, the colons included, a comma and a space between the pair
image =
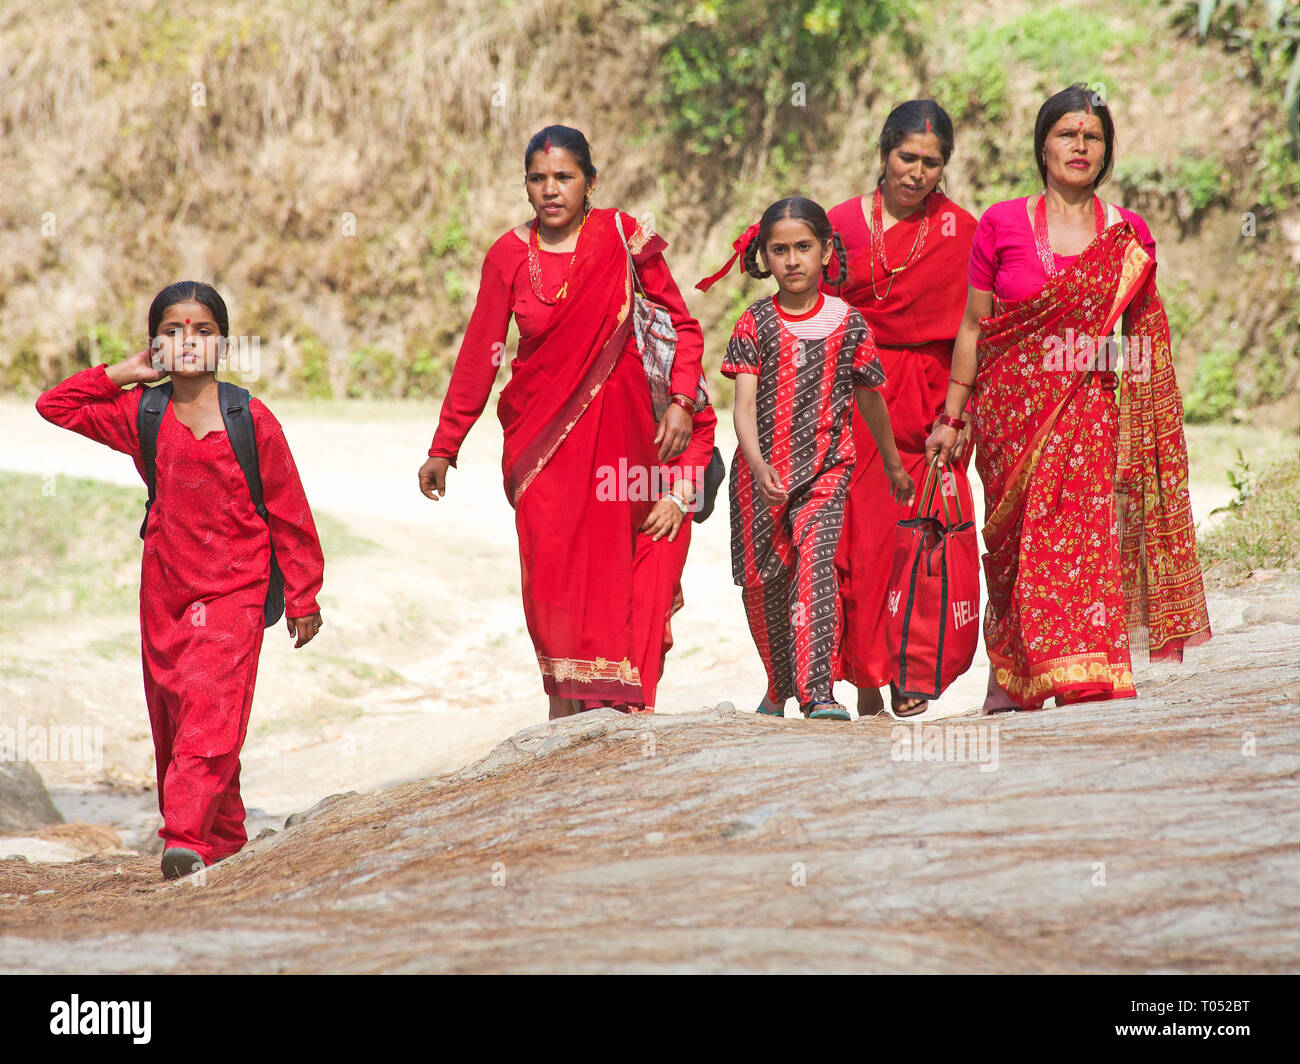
x: 304, y: 628
x: 433, y: 478
x: 769, y: 486
x: 901, y: 486
x: 138, y: 369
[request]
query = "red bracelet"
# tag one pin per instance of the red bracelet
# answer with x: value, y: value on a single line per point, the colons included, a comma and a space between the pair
x: 962, y: 383
x: 683, y: 402
x: 951, y: 422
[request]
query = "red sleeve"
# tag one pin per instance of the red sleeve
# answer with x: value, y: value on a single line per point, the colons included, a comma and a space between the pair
x: 657, y: 280
x: 983, y: 253
x: 742, y: 349
x: 293, y: 532
x: 92, y: 405
x: 481, y: 353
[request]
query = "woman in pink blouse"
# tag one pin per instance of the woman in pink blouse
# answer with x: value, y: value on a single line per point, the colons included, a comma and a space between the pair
x: 1078, y: 431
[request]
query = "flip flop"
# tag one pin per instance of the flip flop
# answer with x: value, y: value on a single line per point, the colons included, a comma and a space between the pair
x: 896, y: 706
x: 778, y: 712
x: 827, y: 711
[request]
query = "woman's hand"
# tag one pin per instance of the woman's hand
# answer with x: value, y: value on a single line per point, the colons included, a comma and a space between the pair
x: 664, y: 520
x: 963, y: 440
x: 769, y: 485
x: 138, y: 369
x: 901, y: 486
x: 940, y: 442
x: 433, y: 478
x: 673, y: 433
x: 305, y: 628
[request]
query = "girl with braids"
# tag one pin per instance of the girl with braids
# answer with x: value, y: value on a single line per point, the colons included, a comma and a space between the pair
x: 907, y: 247
x: 798, y: 358
x: 208, y: 554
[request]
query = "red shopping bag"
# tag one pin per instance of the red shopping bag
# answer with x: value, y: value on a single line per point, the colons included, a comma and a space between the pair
x: 934, y: 595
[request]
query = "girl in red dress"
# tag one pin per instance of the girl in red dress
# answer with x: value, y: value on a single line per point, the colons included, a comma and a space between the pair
x: 576, y: 407
x: 206, y: 563
x: 798, y: 359
x: 907, y: 246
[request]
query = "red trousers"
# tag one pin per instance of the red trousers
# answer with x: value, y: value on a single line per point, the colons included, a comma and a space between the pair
x: 198, y: 783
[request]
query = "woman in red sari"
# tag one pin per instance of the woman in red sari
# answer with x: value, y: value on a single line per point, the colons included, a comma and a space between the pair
x: 1079, y: 438
x: 908, y: 246
x: 577, y: 405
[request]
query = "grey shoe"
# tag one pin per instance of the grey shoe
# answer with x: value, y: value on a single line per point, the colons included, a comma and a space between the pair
x: 178, y: 861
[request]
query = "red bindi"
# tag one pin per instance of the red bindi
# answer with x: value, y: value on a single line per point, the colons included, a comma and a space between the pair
x: 187, y: 321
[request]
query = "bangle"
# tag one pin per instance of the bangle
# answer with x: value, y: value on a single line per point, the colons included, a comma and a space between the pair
x: 962, y: 383
x: 951, y: 422
x: 683, y: 402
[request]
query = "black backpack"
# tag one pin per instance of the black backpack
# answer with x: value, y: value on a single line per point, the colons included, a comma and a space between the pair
x: 239, y: 430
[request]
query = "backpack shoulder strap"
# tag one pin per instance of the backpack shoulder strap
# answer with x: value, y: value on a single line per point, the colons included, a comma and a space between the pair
x: 239, y: 429
x: 148, y: 417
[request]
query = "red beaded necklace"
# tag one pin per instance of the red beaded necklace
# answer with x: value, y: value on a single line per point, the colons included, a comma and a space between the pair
x: 1043, y: 242
x: 878, y: 244
x: 535, y: 263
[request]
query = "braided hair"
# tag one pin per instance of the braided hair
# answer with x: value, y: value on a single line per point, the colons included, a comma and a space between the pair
x: 813, y: 215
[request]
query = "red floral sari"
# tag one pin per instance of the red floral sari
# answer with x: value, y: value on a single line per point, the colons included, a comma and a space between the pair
x: 579, y: 403
x: 1089, y: 528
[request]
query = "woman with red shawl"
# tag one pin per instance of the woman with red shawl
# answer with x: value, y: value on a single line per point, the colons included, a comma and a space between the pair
x: 1079, y: 434
x: 907, y: 245
x: 577, y: 406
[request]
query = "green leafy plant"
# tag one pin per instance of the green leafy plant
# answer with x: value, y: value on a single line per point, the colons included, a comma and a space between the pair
x: 1270, y: 34
x: 1242, y: 480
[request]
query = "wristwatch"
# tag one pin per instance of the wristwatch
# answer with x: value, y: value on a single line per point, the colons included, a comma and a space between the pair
x: 680, y: 504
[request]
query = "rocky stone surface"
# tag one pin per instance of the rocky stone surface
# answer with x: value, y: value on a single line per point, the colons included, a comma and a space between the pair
x: 25, y: 806
x: 1157, y: 834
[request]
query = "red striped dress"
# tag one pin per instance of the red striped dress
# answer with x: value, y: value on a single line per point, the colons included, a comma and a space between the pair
x: 784, y: 556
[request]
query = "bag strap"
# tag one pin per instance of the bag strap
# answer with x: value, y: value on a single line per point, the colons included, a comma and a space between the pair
x: 148, y: 418
x: 239, y: 430
x: 636, y: 280
x: 925, y: 497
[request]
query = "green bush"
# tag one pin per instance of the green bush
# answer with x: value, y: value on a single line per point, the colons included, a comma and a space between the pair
x: 1213, y: 392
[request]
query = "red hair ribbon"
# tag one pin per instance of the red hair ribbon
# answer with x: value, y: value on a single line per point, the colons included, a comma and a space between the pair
x: 739, y: 245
